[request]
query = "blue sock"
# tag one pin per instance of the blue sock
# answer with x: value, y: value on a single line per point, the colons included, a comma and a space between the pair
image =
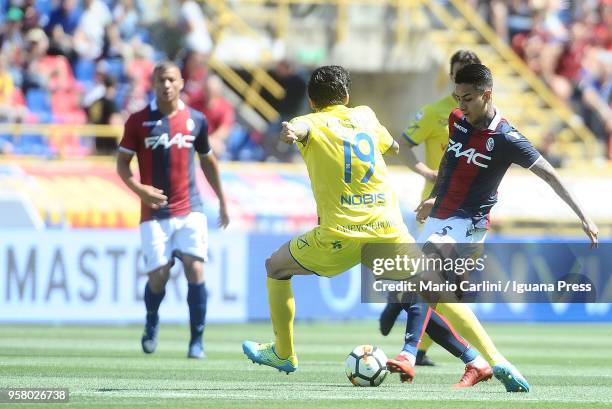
x: 442, y: 334
x: 196, y: 299
x: 152, y: 301
x: 417, y: 313
x: 469, y: 355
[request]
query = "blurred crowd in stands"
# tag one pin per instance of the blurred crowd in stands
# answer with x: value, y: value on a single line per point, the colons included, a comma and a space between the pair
x: 90, y: 61
x: 70, y: 62
x: 569, y: 45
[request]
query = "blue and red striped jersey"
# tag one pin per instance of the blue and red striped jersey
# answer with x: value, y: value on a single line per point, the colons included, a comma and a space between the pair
x: 165, y: 147
x: 475, y: 162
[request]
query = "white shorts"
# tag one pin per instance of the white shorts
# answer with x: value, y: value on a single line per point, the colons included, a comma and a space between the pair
x: 454, y: 230
x: 162, y: 239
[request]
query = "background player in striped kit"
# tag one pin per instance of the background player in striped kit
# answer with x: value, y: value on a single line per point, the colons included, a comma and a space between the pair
x: 165, y: 136
x: 482, y: 146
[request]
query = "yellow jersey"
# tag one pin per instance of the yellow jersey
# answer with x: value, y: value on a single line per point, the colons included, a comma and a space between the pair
x: 431, y: 126
x: 344, y: 157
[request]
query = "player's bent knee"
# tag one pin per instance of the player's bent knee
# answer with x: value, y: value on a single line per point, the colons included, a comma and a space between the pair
x: 275, y: 270
x: 195, y: 276
x: 158, y: 279
x: 272, y: 269
x: 269, y: 266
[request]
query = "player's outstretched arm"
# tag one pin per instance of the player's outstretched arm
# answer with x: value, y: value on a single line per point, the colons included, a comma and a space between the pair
x: 208, y: 162
x: 419, y: 167
x: 440, y: 175
x: 425, y: 207
x: 545, y: 171
x: 150, y: 195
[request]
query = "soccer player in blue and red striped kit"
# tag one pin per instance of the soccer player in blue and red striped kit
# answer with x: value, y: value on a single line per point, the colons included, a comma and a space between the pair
x: 166, y: 136
x: 482, y: 146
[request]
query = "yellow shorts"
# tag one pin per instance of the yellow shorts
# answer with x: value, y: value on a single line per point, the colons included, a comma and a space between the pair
x: 328, y: 254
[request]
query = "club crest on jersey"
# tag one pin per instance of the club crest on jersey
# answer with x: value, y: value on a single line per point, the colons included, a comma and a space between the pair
x: 190, y: 124
x: 180, y: 140
x: 472, y: 156
x: 490, y: 144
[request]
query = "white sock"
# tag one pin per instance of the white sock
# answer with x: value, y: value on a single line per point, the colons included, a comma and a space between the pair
x: 411, y: 358
x: 479, y: 362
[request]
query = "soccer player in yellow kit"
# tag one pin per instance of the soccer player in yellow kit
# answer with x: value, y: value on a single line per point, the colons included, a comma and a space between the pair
x: 430, y: 128
x: 343, y: 149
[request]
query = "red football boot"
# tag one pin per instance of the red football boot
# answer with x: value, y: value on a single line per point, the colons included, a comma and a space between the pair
x: 473, y: 375
x: 402, y: 366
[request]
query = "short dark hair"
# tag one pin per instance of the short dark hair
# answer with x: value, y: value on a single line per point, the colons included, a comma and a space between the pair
x: 109, y: 81
x: 477, y: 75
x: 463, y: 57
x: 163, y: 66
x: 329, y: 85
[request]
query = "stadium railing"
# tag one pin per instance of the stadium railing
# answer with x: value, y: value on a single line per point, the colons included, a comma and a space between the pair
x: 530, y: 104
x: 224, y: 21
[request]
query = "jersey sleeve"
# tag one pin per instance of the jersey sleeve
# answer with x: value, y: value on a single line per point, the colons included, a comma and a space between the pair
x: 201, y: 143
x: 520, y: 150
x: 454, y: 116
x: 420, y: 129
x: 129, y: 142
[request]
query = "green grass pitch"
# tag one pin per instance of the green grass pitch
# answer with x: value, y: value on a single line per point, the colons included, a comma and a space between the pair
x: 568, y: 366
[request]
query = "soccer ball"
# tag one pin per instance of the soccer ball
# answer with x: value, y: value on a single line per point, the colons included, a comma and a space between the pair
x: 366, y: 365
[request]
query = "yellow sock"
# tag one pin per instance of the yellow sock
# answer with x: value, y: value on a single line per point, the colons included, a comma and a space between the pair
x: 282, y: 312
x: 425, y: 343
x: 464, y: 321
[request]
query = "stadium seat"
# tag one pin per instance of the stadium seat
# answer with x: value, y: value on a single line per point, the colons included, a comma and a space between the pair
x: 4, y: 5
x: 145, y: 37
x: 114, y: 68
x: 44, y: 7
x: 37, y: 100
x: 5, y: 140
x: 33, y: 145
x: 160, y: 56
x: 121, y: 94
x: 85, y: 70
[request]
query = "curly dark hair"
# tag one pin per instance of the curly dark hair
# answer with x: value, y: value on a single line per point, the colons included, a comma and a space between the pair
x: 477, y: 75
x: 329, y: 85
